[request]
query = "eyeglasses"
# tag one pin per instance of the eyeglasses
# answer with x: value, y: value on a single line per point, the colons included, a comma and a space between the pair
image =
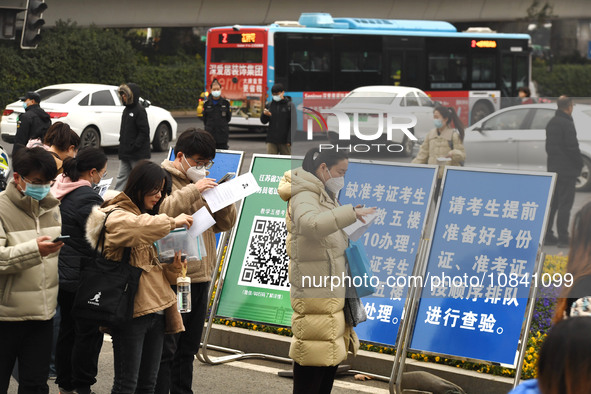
x: 104, y: 174
x: 50, y: 183
x: 202, y: 164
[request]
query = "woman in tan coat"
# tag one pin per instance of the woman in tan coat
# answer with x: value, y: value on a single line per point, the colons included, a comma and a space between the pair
x: 316, y: 246
x: 443, y: 145
x: 134, y: 223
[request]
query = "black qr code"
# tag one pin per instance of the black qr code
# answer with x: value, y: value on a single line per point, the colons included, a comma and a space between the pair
x: 266, y: 261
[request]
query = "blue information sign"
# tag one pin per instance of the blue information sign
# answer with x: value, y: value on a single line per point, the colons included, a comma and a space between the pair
x: 481, y: 264
x: 402, y: 196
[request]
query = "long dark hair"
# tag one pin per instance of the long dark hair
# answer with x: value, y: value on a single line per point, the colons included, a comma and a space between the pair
x: 329, y: 157
x: 85, y: 160
x: 145, y: 178
x: 564, y: 366
x: 449, y: 113
x: 579, y: 255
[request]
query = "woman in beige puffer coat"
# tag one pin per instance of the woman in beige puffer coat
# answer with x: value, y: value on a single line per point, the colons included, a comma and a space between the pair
x: 316, y: 246
x: 443, y: 145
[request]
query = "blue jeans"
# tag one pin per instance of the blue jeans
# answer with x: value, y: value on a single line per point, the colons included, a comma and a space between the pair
x: 137, y: 348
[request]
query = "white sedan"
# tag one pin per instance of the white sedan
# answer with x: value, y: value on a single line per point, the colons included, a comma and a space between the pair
x: 514, y: 138
x: 372, y: 105
x: 94, y: 112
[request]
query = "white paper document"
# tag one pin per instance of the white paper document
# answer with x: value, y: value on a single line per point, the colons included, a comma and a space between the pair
x: 229, y: 192
x: 356, y: 230
x: 202, y: 220
x: 103, y: 186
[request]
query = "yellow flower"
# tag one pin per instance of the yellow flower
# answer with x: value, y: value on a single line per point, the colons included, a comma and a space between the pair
x: 437, y: 358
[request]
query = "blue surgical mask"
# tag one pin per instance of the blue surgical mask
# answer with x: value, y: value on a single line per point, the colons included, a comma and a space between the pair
x: 438, y: 123
x: 216, y: 93
x: 37, y: 192
x: 276, y: 97
x: 24, y: 104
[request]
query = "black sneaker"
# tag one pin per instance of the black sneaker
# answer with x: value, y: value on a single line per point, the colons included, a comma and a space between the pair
x: 550, y: 240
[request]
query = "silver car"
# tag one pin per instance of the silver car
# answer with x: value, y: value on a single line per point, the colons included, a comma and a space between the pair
x: 514, y: 138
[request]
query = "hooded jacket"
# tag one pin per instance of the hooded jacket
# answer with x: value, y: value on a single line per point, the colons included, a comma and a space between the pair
x: 440, y: 145
x: 77, y: 200
x: 185, y: 198
x: 282, y: 122
x: 562, y: 147
x: 216, y: 116
x: 28, y: 282
x: 134, y: 135
x: 31, y: 125
x: 316, y: 247
x: 128, y: 227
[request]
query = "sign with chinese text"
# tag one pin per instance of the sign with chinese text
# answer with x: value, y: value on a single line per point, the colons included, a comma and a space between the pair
x: 256, y: 286
x: 402, y: 196
x: 481, y: 264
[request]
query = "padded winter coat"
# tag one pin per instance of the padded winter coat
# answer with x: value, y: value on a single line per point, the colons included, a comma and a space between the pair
x: 28, y: 282
x: 440, y: 145
x: 316, y: 246
x: 187, y: 199
x: 128, y: 227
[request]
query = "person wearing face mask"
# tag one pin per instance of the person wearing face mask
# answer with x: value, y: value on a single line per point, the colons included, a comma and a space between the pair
x: 216, y: 115
x: 79, y: 342
x: 316, y: 246
x: 29, y: 222
x: 195, y: 150
x: 33, y: 124
x: 280, y: 114
x: 443, y: 145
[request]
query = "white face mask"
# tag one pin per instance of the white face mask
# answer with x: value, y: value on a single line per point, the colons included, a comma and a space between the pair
x: 334, y: 184
x: 193, y: 173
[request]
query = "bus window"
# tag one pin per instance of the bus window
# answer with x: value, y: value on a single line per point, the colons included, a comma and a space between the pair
x: 309, y: 63
x: 447, y: 71
x: 522, y: 71
x: 483, y: 72
x: 236, y: 55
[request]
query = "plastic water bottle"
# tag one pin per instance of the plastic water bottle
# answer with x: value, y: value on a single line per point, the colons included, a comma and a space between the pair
x: 183, y: 294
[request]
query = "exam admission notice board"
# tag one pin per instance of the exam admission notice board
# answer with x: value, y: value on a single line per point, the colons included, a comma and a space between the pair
x: 481, y: 265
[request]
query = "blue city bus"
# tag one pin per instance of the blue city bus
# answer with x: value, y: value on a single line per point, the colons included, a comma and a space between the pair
x: 319, y: 59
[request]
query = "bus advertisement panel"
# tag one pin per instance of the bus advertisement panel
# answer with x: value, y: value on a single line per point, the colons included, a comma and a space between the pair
x: 238, y: 61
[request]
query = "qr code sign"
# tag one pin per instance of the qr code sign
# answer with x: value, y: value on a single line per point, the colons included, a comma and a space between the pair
x: 266, y: 261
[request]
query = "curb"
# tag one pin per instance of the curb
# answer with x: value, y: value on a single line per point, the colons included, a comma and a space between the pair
x: 249, y: 341
x: 184, y: 114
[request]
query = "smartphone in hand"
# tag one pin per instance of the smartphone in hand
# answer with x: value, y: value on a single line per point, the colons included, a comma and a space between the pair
x: 226, y: 177
x: 61, y: 238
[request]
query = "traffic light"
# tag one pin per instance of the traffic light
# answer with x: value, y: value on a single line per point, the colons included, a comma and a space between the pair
x: 32, y: 24
x: 7, y: 24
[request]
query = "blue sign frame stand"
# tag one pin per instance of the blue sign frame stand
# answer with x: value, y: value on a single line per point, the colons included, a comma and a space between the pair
x: 412, y: 320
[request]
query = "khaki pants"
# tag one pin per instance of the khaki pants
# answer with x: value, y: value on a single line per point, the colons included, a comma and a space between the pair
x: 278, y: 149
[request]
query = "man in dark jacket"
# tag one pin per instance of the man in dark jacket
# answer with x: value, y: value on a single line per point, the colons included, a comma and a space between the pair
x: 564, y: 158
x: 33, y: 123
x: 134, y: 136
x: 216, y: 115
x: 281, y: 116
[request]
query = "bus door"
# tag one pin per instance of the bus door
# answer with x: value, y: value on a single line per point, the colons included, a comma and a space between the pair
x: 514, y: 74
x: 403, y: 61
